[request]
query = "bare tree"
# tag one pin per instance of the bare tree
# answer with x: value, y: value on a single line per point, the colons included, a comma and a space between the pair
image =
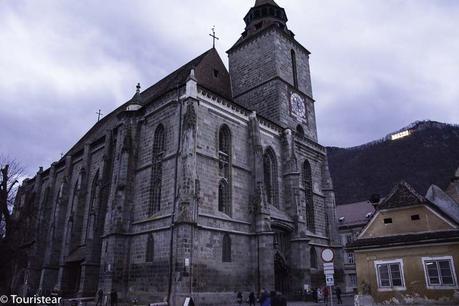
x: 10, y: 174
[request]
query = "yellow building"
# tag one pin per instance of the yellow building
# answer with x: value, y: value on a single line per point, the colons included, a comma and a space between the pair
x: 409, y: 250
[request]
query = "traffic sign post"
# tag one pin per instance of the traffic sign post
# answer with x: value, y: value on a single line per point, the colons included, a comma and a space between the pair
x: 327, y: 256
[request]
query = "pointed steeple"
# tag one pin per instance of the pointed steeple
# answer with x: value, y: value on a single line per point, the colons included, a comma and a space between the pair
x: 136, y: 101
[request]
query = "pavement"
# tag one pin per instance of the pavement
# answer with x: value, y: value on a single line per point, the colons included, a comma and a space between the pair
x: 347, y: 301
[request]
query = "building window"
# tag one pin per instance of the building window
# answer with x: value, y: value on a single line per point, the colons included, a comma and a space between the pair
x: 93, y: 202
x: 294, y: 70
x: 226, y: 248
x: 349, y: 238
x: 224, y: 197
x: 415, y: 217
x: 270, y: 176
x: 300, y: 131
x: 390, y: 275
x: 307, y: 182
x: 150, y: 250
x: 439, y: 272
x: 313, y: 257
x: 350, y: 258
x: 387, y: 220
x: 224, y: 151
x: 156, y: 170
x: 352, y: 280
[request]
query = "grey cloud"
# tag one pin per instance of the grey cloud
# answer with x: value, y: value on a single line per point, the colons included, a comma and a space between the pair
x: 376, y: 65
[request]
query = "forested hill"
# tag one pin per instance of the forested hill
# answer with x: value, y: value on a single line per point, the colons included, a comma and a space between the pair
x: 429, y: 155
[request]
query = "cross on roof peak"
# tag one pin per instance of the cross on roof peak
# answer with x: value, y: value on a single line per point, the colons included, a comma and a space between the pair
x: 213, y: 37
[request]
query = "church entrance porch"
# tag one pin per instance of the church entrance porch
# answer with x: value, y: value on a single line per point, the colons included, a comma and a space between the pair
x: 281, y: 273
x: 281, y: 268
x: 74, y: 275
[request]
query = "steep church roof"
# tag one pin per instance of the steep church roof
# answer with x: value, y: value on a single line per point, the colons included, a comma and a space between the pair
x: 210, y: 73
x: 205, y: 66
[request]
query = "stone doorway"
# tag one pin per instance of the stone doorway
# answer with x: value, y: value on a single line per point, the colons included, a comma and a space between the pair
x: 74, y: 276
x: 281, y: 274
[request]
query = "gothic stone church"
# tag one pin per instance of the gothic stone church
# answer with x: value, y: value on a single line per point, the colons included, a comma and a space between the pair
x: 207, y: 183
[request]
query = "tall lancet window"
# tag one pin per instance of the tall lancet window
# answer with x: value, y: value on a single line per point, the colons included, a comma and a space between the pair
x: 150, y: 249
x: 294, y: 69
x: 270, y: 177
x: 93, y: 204
x: 224, y: 197
x: 226, y: 248
x: 313, y: 257
x: 73, y: 204
x: 224, y: 165
x: 224, y: 151
x: 307, y: 183
x: 157, y: 170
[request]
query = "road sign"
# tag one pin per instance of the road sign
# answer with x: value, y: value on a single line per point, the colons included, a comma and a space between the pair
x: 330, y: 280
x: 327, y: 255
x: 328, y: 266
x: 329, y: 272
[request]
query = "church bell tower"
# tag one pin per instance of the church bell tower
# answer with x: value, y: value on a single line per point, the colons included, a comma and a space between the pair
x: 269, y: 70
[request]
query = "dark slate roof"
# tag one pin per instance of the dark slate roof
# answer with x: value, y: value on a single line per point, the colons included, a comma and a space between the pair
x: 443, y: 202
x: 402, y: 195
x: 401, y: 240
x: 203, y: 64
x: 354, y: 214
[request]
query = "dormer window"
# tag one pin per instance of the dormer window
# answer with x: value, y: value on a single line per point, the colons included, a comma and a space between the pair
x: 216, y: 73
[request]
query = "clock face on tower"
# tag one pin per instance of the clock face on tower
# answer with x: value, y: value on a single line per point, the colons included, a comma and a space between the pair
x: 297, y: 105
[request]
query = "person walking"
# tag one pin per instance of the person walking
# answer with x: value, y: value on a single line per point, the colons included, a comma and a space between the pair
x: 265, y: 300
x: 114, y: 298
x: 252, y: 299
x: 100, y: 296
x: 315, y: 295
x: 325, y: 294
x: 239, y: 298
x: 338, y: 295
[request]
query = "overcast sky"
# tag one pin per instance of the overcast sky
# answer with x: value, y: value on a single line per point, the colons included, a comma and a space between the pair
x: 376, y: 65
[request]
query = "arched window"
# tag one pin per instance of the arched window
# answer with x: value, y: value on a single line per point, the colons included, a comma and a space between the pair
x: 270, y: 176
x: 150, y: 250
x: 73, y: 207
x: 313, y: 257
x: 45, y: 214
x: 158, y: 141
x: 226, y: 248
x: 294, y: 70
x: 224, y: 151
x: 300, y: 131
x: 156, y: 171
x: 224, y: 197
x: 307, y: 182
x: 93, y: 203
